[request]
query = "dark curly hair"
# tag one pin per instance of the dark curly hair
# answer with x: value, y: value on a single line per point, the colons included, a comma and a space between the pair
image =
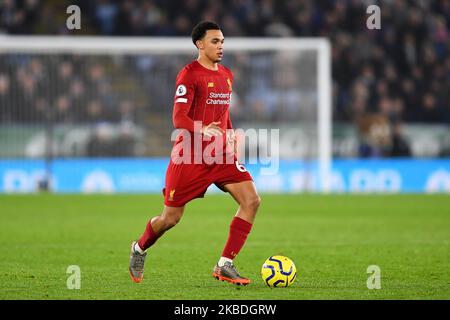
x: 200, y: 29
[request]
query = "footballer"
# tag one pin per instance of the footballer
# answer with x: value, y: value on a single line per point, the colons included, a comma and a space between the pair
x: 201, y: 111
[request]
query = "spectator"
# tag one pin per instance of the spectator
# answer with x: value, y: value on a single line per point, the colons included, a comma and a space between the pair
x: 127, y: 112
x: 430, y: 112
x: 63, y: 112
x: 65, y: 75
x: 124, y: 143
x: 5, y: 99
x: 94, y: 112
x: 400, y: 146
x: 375, y: 136
x: 105, y: 13
x: 122, y: 21
x: 101, y: 141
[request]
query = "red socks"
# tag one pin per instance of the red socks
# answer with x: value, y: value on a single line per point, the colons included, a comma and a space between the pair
x: 148, y: 238
x: 239, y: 230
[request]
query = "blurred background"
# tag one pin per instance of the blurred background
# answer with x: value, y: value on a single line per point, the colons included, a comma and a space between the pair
x: 102, y: 122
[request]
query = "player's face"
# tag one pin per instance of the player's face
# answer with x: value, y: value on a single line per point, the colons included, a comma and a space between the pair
x: 212, y: 44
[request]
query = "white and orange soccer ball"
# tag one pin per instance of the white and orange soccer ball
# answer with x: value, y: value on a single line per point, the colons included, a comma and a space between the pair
x: 278, y: 271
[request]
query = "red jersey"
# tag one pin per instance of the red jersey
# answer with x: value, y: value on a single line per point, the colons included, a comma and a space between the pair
x: 202, y: 95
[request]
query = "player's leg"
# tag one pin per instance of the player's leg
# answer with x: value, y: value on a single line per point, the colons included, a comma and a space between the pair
x: 248, y: 199
x: 184, y: 182
x: 158, y: 225
x: 155, y: 228
x: 245, y: 194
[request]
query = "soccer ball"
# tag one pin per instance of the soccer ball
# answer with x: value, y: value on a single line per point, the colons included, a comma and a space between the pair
x: 278, y: 271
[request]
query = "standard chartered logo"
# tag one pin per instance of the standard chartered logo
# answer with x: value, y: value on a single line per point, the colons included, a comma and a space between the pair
x: 218, y: 98
x: 98, y: 181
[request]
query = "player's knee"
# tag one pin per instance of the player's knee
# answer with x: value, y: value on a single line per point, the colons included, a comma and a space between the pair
x: 252, y: 203
x: 257, y: 202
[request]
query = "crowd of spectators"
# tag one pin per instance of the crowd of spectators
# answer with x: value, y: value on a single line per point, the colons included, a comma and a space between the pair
x: 63, y: 90
x: 401, y: 71
x: 57, y: 91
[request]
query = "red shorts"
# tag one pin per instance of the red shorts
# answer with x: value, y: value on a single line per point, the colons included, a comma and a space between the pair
x: 185, y: 182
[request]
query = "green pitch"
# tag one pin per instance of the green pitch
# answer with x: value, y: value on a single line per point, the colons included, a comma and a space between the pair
x: 331, y: 239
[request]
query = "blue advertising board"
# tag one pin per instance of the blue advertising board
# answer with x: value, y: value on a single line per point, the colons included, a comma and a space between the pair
x: 147, y: 176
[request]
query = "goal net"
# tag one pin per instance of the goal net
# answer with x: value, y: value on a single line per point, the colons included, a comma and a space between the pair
x: 91, y: 97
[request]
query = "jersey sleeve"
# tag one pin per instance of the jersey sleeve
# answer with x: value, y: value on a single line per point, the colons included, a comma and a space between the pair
x: 184, y: 96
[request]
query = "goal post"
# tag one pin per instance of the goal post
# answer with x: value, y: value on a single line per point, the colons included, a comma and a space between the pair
x: 318, y: 49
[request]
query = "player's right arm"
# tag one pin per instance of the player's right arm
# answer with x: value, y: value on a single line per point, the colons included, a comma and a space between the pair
x: 184, y: 97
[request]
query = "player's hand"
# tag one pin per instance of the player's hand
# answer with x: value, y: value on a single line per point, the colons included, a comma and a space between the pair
x: 232, y: 139
x: 212, y: 129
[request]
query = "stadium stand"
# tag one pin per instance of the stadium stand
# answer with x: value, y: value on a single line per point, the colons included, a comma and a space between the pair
x: 400, y: 74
